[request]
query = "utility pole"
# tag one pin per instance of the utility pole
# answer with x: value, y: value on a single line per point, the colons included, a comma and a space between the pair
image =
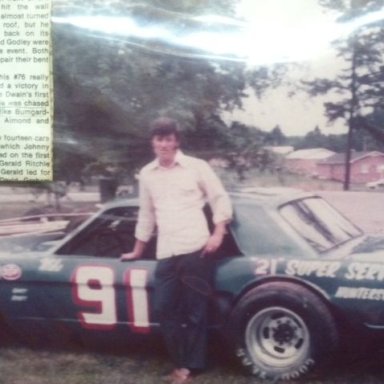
x: 355, y: 4
x: 351, y: 119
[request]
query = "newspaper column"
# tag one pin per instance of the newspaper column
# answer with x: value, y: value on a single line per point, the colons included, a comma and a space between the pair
x: 26, y: 102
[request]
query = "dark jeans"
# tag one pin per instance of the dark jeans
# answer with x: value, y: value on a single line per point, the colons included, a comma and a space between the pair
x: 182, y: 291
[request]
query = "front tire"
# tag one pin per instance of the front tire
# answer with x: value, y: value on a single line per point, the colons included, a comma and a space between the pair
x: 282, y: 331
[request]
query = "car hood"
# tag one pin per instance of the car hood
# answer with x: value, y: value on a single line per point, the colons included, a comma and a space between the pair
x: 15, y: 257
x: 31, y: 242
x: 370, y: 249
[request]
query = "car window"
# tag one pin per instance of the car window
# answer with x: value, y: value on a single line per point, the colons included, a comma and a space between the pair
x: 109, y: 235
x: 319, y: 223
x: 258, y: 233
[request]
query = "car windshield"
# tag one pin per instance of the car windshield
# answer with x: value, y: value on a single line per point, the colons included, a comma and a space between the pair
x: 319, y: 224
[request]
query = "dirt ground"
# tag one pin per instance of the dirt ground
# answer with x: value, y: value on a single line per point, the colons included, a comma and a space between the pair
x: 365, y: 209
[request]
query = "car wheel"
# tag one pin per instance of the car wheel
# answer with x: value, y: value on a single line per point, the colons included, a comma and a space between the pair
x: 282, y: 331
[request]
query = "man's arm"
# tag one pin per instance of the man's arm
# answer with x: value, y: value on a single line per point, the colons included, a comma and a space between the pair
x: 145, y: 223
x: 220, y: 204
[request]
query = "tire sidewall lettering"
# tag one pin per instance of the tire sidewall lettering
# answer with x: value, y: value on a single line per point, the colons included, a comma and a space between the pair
x: 246, y: 361
x: 308, y: 307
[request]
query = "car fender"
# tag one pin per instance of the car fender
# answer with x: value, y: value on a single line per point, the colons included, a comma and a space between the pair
x: 234, y: 278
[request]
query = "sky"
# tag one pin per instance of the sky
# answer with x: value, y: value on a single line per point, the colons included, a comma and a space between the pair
x: 298, y: 31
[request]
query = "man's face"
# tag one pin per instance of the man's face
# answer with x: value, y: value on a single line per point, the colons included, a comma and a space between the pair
x: 165, y: 147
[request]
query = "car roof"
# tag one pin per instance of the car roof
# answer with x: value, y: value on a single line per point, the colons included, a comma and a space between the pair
x: 273, y: 196
x: 123, y: 202
x: 269, y: 198
x: 268, y: 195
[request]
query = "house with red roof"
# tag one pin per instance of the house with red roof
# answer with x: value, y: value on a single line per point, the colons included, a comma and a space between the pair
x: 365, y: 167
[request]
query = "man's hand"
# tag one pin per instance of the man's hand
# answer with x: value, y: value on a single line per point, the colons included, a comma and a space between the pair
x: 216, y: 239
x: 129, y: 256
x: 137, y: 252
x: 213, y: 244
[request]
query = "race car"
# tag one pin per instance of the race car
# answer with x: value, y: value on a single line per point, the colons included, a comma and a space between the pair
x: 291, y: 274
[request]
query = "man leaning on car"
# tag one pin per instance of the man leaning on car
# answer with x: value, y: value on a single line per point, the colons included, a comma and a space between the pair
x: 173, y: 190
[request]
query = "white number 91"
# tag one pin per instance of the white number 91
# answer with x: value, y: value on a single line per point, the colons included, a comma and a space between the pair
x: 94, y: 289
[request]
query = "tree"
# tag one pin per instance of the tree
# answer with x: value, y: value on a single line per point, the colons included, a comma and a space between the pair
x: 360, y: 84
x: 316, y: 139
x: 110, y: 85
x: 372, y: 130
x: 276, y: 137
x: 313, y: 139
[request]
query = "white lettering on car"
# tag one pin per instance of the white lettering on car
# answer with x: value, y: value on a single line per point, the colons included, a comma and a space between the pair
x: 266, y: 266
x: 137, y: 300
x: 360, y: 293
x: 50, y: 265
x: 365, y: 271
x: 262, y: 267
x: 19, y: 294
x: 94, y: 289
x: 312, y: 268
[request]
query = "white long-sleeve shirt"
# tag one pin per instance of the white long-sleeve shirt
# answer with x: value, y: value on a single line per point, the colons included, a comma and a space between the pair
x: 172, y: 199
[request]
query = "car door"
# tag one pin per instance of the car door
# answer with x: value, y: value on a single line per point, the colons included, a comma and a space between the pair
x: 85, y: 285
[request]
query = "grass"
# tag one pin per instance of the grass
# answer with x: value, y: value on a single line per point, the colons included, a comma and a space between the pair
x: 143, y: 362
x: 20, y: 365
x: 146, y: 363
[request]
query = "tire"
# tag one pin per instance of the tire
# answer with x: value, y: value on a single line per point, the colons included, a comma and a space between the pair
x: 282, y: 331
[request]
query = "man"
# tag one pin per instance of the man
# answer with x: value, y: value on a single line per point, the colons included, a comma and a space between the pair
x: 173, y: 190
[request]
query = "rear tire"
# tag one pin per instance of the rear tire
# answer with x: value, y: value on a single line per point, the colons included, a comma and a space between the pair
x: 282, y: 330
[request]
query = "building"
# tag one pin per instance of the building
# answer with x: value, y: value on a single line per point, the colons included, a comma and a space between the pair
x: 304, y: 161
x: 365, y: 167
x: 281, y: 150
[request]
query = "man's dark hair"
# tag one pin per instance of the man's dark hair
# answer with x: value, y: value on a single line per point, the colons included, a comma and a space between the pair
x: 164, y: 126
